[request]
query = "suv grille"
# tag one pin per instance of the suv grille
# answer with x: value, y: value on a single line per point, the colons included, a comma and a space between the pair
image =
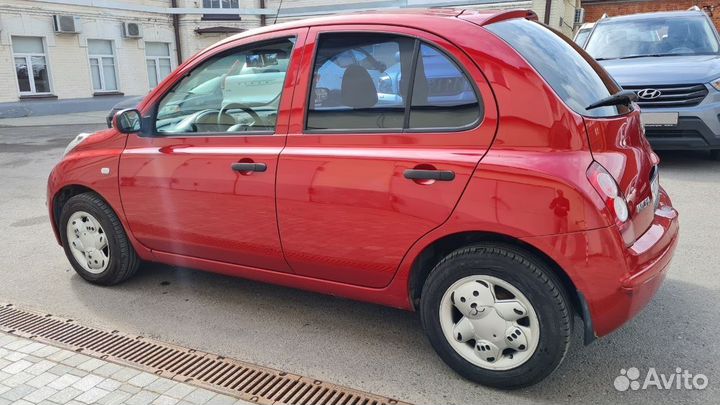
x: 684, y: 95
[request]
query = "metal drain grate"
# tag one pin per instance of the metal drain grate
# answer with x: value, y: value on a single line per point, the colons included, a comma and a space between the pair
x: 243, y: 380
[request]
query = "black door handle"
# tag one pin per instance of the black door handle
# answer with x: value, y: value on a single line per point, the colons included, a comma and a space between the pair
x: 439, y: 175
x: 249, y: 167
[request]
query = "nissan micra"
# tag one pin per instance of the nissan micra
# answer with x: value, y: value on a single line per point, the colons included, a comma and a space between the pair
x: 476, y: 167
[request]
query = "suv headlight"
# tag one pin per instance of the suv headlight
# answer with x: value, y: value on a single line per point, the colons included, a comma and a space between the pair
x: 716, y: 84
x: 75, y: 142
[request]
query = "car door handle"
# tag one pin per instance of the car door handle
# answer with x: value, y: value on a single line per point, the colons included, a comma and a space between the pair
x: 420, y: 174
x: 249, y: 167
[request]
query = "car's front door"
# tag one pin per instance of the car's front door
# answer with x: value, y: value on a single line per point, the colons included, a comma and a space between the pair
x: 390, y: 135
x: 201, y: 183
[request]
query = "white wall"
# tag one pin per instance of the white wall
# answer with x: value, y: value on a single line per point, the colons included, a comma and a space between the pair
x: 67, y: 55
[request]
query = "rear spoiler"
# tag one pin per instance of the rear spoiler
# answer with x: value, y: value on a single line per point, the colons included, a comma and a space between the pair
x: 485, y: 19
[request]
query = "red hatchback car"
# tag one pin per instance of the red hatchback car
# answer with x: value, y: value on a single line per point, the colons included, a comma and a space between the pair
x: 474, y: 166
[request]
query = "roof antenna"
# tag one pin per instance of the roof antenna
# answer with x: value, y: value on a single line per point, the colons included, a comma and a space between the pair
x: 278, y: 12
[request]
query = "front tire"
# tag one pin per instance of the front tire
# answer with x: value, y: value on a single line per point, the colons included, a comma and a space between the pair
x: 95, y: 242
x: 496, y: 315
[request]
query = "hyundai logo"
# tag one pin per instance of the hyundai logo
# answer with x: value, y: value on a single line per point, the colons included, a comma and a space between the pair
x: 649, y: 94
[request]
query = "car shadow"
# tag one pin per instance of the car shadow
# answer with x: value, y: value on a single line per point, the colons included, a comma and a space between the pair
x: 367, y: 346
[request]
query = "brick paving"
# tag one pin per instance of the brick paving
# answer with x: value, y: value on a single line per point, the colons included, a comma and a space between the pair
x: 36, y: 373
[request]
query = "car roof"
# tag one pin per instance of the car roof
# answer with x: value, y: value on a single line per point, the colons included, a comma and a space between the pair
x: 658, y: 14
x: 408, y: 17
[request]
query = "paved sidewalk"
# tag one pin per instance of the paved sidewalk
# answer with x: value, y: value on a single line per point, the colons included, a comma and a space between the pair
x: 41, y: 107
x: 36, y: 373
x: 93, y: 117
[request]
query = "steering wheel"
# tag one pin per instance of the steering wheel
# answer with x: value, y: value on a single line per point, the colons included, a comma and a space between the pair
x: 203, y: 117
x: 245, y: 108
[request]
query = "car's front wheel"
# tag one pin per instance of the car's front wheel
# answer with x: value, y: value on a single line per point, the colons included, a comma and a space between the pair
x: 496, y: 315
x: 95, y: 242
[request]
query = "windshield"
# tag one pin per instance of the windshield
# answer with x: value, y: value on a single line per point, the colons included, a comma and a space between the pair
x: 582, y: 36
x: 653, y: 36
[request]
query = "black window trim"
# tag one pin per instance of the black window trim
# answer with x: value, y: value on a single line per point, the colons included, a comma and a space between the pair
x: 152, y: 131
x: 416, y: 50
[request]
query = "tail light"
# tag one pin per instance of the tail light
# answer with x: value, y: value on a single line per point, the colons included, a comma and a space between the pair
x: 608, y: 189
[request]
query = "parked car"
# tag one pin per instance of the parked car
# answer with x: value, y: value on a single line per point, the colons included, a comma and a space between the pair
x: 672, y: 61
x: 583, y: 33
x: 131, y: 102
x: 422, y: 204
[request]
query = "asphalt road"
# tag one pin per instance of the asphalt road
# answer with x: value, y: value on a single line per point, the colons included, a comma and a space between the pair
x: 364, y: 346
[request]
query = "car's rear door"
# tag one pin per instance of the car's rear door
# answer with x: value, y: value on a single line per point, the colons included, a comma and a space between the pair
x: 202, y: 182
x: 365, y: 173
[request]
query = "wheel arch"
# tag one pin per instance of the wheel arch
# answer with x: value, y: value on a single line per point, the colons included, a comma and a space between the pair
x: 432, y: 254
x: 61, y: 197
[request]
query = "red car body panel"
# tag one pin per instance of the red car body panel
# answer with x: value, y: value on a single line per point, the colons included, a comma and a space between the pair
x: 83, y: 168
x: 336, y: 194
x: 333, y: 213
x: 169, y: 183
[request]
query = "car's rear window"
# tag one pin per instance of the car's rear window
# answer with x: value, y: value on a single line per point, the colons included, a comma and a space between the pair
x: 573, y: 75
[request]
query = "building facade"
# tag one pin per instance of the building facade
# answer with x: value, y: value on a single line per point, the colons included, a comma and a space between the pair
x: 72, y: 49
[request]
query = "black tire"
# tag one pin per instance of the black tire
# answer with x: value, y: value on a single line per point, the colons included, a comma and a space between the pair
x: 533, y: 279
x: 123, y: 261
x: 715, y: 154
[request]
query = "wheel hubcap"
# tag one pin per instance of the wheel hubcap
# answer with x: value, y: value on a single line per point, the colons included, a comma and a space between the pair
x: 88, y: 242
x: 489, y: 322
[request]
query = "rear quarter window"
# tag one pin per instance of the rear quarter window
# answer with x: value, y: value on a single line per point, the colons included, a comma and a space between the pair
x: 574, y: 76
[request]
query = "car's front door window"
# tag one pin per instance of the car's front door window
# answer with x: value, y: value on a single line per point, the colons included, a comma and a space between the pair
x: 234, y: 92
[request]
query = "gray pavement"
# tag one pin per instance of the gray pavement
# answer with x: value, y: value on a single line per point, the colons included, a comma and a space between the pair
x: 372, y: 348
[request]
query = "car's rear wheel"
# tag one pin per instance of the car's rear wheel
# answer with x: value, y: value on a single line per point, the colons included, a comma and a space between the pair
x: 496, y: 315
x: 95, y: 242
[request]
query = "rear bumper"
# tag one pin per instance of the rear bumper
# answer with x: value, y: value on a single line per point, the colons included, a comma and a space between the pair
x: 616, y: 282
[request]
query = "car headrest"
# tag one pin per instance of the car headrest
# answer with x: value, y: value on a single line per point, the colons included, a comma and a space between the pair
x: 358, y: 89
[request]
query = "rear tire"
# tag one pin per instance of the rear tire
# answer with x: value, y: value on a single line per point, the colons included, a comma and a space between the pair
x: 95, y: 242
x: 501, y: 290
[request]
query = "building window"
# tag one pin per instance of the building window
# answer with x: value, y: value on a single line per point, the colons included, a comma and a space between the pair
x: 102, y: 65
x: 227, y: 4
x: 157, y: 56
x: 220, y: 4
x: 31, y: 65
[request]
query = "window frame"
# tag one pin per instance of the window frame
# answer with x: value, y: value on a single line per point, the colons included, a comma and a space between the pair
x: 418, y: 41
x: 28, y: 58
x: 221, y: 17
x: 156, y: 60
x: 220, y: 3
x: 100, y: 58
x: 152, y: 131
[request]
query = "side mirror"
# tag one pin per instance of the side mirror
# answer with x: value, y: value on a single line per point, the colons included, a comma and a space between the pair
x: 127, y: 121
